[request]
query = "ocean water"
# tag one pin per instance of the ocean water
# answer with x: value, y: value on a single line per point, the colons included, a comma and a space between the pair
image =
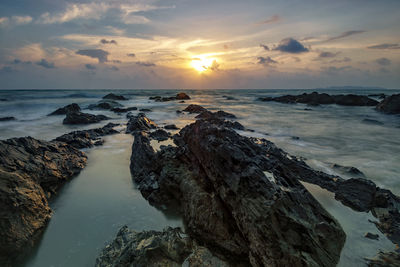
x: 90, y: 209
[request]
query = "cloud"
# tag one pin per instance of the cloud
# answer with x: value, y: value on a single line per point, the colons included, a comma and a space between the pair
x: 383, y: 61
x: 385, y: 46
x: 90, y: 67
x: 145, y: 64
x: 131, y: 55
x: 134, y: 19
x: 18, y: 61
x: 327, y: 54
x: 114, y: 68
x: 100, y: 54
x: 266, y: 61
x: 104, y: 41
x: 20, y: 20
x: 345, y: 59
x: 214, y: 66
x: 275, y: 18
x: 344, y: 35
x: 4, y: 21
x: 290, y: 45
x: 45, y: 64
x: 265, y: 47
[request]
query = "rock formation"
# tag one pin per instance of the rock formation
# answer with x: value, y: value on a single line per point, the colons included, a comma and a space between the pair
x: 390, y: 105
x: 67, y: 109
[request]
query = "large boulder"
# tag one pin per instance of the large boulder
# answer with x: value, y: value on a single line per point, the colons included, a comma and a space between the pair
x: 182, y: 96
x: 390, y: 105
x: 67, y: 109
x: 236, y: 199
x: 193, y: 108
x: 112, y: 96
x: 139, y: 123
x: 83, y: 118
x: 30, y: 172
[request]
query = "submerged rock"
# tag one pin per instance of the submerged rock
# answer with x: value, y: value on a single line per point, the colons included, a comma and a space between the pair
x: 215, y: 115
x: 67, y: 109
x: 193, y: 108
x: 83, y: 118
x: 315, y: 99
x: 30, y: 172
x: 179, y: 96
x: 139, y: 123
x: 372, y: 236
x: 390, y: 105
x: 218, y: 181
x: 123, y: 110
x: 105, y: 104
x: 114, y: 97
x: 348, y: 170
x: 87, y: 138
x: 7, y: 119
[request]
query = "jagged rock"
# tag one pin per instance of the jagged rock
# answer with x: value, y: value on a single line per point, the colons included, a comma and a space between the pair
x: 315, y: 99
x: 348, y: 170
x: 171, y: 127
x: 356, y: 193
x: 7, y: 118
x: 114, y: 97
x: 385, y: 259
x: 30, y: 172
x: 87, y: 138
x: 105, y: 104
x: 372, y: 236
x: 390, y: 105
x: 216, y: 178
x: 215, y: 115
x: 123, y: 110
x: 67, y: 109
x: 83, y: 118
x: 139, y: 123
x: 160, y: 135
x: 182, y: 96
x: 193, y: 108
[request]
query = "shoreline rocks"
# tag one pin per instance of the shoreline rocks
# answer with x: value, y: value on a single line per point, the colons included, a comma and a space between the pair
x: 123, y: 110
x: 83, y: 118
x: 390, y: 105
x: 179, y: 96
x: 112, y: 96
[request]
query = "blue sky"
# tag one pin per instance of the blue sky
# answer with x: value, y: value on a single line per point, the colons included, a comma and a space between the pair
x: 199, y: 44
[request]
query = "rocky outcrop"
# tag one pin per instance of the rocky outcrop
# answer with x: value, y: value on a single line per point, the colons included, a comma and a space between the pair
x: 67, y: 109
x: 160, y: 135
x: 179, y: 96
x: 315, y: 98
x: 87, y: 138
x: 385, y: 259
x: 152, y: 248
x: 182, y: 96
x: 7, y: 118
x: 347, y: 170
x: 193, y: 108
x: 139, y: 123
x: 105, y: 104
x: 30, y: 172
x: 215, y: 115
x: 390, y: 105
x: 112, y: 96
x: 236, y: 198
x: 83, y: 118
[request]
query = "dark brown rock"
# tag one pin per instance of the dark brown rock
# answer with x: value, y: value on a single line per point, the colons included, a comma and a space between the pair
x: 171, y: 127
x: 67, y: 109
x: 193, y: 108
x: 105, y: 104
x: 390, y: 105
x: 182, y: 96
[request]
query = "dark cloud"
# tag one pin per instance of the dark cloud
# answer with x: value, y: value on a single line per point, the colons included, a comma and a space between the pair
x: 344, y: 35
x: 266, y: 61
x: 265, y: 47
x: 104, y: 41
x: 290, y: 45
x: 385, y: 46
x: 90, y: 67
x: 275, y: 18
x: 131, y: 55
x: 345, y: 59
x: 18, y: 61
x: 383, y: 61
x: 145, y: 64
x: 327, y: 54
x: 214, y: 66
x: 100, y: 54
x: 45, y: 64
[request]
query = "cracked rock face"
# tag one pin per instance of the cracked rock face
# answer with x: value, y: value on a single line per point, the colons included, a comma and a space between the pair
x: 216, y: 179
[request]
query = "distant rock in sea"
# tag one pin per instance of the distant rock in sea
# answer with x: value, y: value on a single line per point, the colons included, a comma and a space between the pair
x: 83, y: 118
x: 114, y: 97
x: 64, y: 110
x: 179, y: 96
x: 105, y: 104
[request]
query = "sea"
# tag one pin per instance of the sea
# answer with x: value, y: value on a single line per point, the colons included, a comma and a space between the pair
x: 89, y: 210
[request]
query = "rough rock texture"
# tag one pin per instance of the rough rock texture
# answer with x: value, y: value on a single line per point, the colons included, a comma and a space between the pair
x: 30, y: 171
x: 390, y: 105
x: 193, y: 108
x: 235, y: 199
x: 315, y: 98
x: 385, y: 259
x: 7, y: 118
x: 123, y: 110
x: 347, y: 170
x: 215, y: 115
x: 139, y: 123
x: 67, y: 109
x: 182, y: 96
x: 105, y: 104
x: 114, y: 97
x: 153, y: 248
x: 87, y: 138
x: 83, y: 118
x: 160, y: 135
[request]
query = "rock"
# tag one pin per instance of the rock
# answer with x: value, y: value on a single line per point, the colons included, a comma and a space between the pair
x: 67, y: 109
x: 87, y: 138
x: 160, y: 135
x: 356, y: 193
x: 182, y: 101
x: 178, y: 111
x: 3, y: 99
x: 385, y: 259
x: 390, y: 105
x: 217, y: 180
x: 315, y: 99
x: 371, y: 121
x: 145, y: 110
x: 123, y: 110
x: 154, y: 97
x: 372, y: 236
x: 114, y: 97
x: 193, y: 108
x: 380, y: 96
x: 83, y: 118
x: 7, y: 119
x: 140, y: 123
x: 182, y: 96
x: 295, y: 138
x: 229, y: 97
x: 171, y: 127
x: 105, y: 104
x: 215, y: 115
x: 30, y: 172
x: 347, y: 170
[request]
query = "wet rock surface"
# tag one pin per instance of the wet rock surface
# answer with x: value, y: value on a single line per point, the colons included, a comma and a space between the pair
x: 87, y: 138
x: 30, y: 172
x: 105, y: 104
x: 390, y: 105
x: 139, y: 123
x: 67, y: 109
x: 114, y: 97
x: 193, y: 108
x: 83, y: 118
x: 315, y: 99
x: 216, y: 179
x: 385, y: 259
x: 171, y: 127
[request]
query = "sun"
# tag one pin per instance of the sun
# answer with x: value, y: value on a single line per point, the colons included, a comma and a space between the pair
x: 201, y: 63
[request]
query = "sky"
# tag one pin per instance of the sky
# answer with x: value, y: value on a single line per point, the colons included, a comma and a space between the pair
x: 202, y: 44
